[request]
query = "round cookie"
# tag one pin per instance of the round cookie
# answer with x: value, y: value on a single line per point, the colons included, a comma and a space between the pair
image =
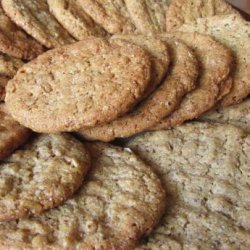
x: 233, y: 32
x: 238, y: 115
x: 79, y: 85
x: 180, y: 80
x: 73, y: 18
x: 185, y: 11
x: 215, y: 61
x: 111, y: 15
x: 41, y: 175
x: 15, y: 42
x: 206, y: 171
x: 9, y: 65
x: 120, y: 201
x: 34, y: 17
x: 149, y: 16
x: 12, y: 134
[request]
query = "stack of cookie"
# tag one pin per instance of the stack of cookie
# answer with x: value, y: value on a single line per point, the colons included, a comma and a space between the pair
x: 102, y: 70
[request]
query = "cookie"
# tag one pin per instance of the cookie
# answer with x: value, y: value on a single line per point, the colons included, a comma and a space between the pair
x: 149, y: 16
x: 79, y: 85
x: 112, y: 15
x: 215, y: 61
x: 238, y: 115
x: 120, y: 201
x: 185, y: 11
x: 180, y: 80
x: 225, y: 88
x: 3, y: 82
x: 15, y: 42
x: 12, y: 134
x: 159, y: 54
x: 34, y: 17
x: 41, y: 175
x: 9, y: 65
x: 73, y: 18
x: 205, y: 169
x: 233, y: 32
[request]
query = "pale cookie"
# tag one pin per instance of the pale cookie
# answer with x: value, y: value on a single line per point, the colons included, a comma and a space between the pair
x: 188, y: 11
x: 34, y: 17
x: 41, y: 175
x: 180, y: 80
x: 149, y: 16
x: 73, y: 18
x: 234, y: 32
x: 9, y: 65
x: 15, y: 42
x: 215, y: 61
x: 12, y: 134
x: 238, y: 115
x: 3, y: 82
x: 120, y: 201
x: 79, y: 85
x: 112, y: 15
x: 206, y: 172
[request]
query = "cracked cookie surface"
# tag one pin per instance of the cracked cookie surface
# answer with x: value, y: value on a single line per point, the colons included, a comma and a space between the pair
x: 205, y: 171
x: 120, y: 201
x: 41, y: 175
x: 79, y: 85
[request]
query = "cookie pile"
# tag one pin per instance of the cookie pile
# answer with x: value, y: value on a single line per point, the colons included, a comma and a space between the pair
x: 102, y: 70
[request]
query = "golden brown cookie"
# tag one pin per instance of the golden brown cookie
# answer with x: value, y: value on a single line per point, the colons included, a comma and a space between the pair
x: 234, y: 32
x: 79, y: 85
x: 12, y: 134
x: 149, y: 16
x: 238, y: 115
x: 34, y: 17
x: 41, y: 175
x: 180, y: 80
x: 120, y: 201
x: 215, y: 61
x: 73, y: 18
x: 188, y: 11
x: 112, y: 15
x: 15, y: 42
x: 205, y: 170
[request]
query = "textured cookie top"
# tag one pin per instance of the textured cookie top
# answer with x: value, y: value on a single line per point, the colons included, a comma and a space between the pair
x: 234, y: 32
x: 74, y: 19
x: 205, y: 169
x: 180, y: 80
x: 41, y: 175
x: 12, y: 134
x: 15, y: 42
x: 34, y: 17
x: 112, y: 15
x: 188, y: 11
x: 79, y: 85
x: 215, y: 66
x: 9, y: 65
x: 149, y: 16
x: 120, y: 201
x: 238, y: 115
